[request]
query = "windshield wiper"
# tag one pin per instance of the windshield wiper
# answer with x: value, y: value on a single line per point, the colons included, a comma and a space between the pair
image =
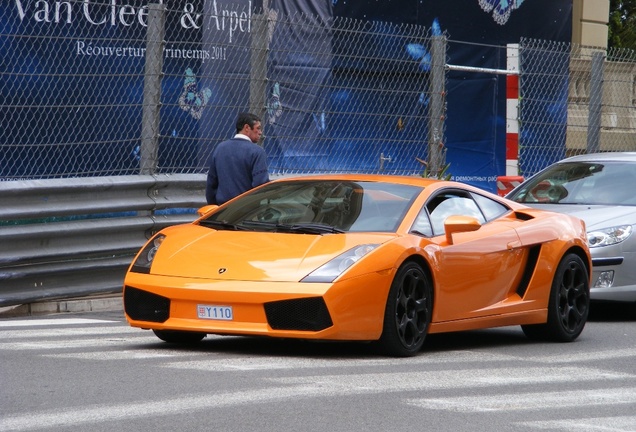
x: 313, y: 228
x: 222, y: 225
x: 306, y: 228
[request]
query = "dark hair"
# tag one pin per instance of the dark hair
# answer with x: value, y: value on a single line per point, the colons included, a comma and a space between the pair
x: 246, y: 118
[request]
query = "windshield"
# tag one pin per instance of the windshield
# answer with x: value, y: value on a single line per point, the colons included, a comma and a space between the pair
x: 607, y: 183
x: 318, y: 207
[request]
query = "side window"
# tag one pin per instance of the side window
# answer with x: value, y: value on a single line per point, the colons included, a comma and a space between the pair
x: 422, y: 224
x: 491, y: 209
x: 448, y: 204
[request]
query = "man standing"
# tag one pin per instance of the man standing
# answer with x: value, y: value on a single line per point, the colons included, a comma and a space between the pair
x: 238, y: 164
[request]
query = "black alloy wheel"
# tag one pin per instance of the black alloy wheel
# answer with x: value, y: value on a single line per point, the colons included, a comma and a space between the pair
x: 569, y: 303
x: 408, y: 311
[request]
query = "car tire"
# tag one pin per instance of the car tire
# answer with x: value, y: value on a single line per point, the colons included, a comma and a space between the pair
x: 569, y: 303
x: 408, y: 311
x: 179, y: 337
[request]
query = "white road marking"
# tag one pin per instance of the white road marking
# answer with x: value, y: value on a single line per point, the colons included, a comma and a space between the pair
x: 51, y: 322
x: 22, y: 333
x: 99, y: 414
x: 271, y: 363
x: 597, y: 424
x: 122, y: 337
x: 450, y: 379
x: 122, y: 355
x: 585, y: 356
x: 530, y: 401
x: 297, y: 387
x: 239, y: 362
x: 75, y: 344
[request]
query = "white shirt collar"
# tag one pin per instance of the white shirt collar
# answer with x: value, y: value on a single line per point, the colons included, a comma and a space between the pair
x: 241, y: 136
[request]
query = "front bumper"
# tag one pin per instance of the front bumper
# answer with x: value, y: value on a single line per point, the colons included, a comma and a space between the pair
x: 621, y: 269
x: 347, y: 310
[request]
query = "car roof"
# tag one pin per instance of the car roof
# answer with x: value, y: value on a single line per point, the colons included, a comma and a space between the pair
x: 397, y: 179
x: 603, y: 157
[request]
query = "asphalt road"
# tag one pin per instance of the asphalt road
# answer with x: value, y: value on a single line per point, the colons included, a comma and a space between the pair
x: 91, y: 372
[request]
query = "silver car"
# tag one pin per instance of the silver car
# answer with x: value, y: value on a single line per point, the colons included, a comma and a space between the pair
x: 599, y: 188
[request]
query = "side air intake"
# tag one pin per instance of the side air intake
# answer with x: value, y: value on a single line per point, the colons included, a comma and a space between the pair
x: 531, y: 265
x: 307, y: 314
x: 144, y: 306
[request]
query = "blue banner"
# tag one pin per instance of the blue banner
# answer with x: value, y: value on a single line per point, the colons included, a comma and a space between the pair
x: 72, y: 84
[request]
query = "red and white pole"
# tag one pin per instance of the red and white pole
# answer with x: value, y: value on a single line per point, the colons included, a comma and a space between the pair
x: 512, y: 178
x: 512, y: 111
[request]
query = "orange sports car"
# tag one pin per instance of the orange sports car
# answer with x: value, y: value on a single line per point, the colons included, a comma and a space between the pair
x: 363, y: 258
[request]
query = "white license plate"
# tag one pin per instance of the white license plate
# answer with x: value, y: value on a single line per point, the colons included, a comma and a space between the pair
x: 213, y: 312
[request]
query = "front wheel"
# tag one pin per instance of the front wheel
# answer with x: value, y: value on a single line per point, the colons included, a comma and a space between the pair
x: 179, y: 337
x: 408, y: 311
x: 569, y: 303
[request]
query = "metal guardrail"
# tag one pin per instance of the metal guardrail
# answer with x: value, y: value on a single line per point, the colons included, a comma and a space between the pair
x: 70, y: 237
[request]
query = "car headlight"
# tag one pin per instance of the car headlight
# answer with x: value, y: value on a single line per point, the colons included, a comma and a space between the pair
x: 609, y: 236
x: 144, y: 260
x: 334, y: 268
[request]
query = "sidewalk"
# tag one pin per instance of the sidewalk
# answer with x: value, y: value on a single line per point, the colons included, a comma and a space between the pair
x: 98, y: 303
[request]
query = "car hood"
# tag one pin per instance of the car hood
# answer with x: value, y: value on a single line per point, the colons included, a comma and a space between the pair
x: 595, y: 216
x: 196, y: 252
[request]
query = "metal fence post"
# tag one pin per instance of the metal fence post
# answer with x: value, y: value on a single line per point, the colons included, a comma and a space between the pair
x: 436, y: 153
x: 258, y: 59
x: 152, y: 89
x: 596, y: 101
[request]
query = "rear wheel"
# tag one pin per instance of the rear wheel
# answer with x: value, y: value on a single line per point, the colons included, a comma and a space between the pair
x: 569, y: 303
x: 408, y: 311
x: 180, y: 337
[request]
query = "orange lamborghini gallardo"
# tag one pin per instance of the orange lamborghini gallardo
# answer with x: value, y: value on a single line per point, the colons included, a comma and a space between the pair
x: 363, y: 258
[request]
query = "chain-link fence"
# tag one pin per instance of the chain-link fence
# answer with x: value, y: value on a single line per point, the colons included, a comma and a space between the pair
x: 93, y: 89
x: 96, y: 88
x: 573, y: 100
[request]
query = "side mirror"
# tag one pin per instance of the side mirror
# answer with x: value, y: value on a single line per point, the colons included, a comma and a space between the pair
x: 459, y: 224
x: 206, y: 209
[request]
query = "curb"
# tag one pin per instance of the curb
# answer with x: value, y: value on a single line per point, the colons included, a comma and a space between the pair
x: 92, y: 304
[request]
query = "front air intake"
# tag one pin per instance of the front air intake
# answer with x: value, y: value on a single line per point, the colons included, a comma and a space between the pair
x: 144, y: 306
x: 306, y: 314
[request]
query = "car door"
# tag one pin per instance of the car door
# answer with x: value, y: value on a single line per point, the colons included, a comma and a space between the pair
x: 480, y: 270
